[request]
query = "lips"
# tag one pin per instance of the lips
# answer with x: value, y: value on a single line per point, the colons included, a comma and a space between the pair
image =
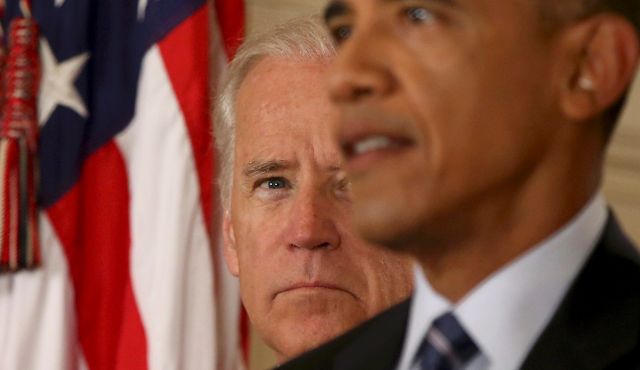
x: 312, y: 286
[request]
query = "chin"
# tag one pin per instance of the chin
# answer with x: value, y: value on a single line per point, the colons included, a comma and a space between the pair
x: 302, y: 320
x: 386, y: 222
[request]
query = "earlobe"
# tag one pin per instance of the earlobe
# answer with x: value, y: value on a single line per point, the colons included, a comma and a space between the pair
x: 229, y: 245
x: 605, y: 67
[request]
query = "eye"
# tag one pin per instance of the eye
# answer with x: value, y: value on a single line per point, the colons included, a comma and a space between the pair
x: 418, y: 15
x: 272, y: 188
x: 340, y: 33
x: 343, y: 188
x: 274, y: 183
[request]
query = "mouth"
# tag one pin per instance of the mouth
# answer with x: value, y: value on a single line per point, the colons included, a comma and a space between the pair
x: 311, y: 286
x: 362, y: 150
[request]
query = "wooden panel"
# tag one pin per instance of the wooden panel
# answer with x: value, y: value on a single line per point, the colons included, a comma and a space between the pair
x: 622, y: 174
x: 261, y: 14
x: 261, y: 356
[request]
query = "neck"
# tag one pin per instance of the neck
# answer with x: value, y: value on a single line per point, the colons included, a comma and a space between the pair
x: 490, y: 235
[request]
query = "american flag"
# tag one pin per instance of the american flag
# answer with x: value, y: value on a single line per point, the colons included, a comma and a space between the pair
x: 128, y: 273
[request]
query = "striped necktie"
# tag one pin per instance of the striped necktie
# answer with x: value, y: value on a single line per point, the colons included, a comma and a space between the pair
x: 446, y: 345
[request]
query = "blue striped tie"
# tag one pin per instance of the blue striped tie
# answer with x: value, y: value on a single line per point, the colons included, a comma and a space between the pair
x: 446, y: 345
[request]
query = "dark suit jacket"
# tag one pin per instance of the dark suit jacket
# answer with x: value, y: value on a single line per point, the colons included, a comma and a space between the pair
x: 597, y: 325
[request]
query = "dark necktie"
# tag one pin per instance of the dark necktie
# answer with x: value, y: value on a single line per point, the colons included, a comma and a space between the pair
x: 446, y: 345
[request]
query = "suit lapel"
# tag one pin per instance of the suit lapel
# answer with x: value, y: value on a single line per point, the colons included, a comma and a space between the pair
x: 598, y: 322
x: 378, y: 347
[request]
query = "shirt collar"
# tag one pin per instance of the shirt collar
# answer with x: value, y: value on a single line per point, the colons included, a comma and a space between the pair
x: 517, y: 301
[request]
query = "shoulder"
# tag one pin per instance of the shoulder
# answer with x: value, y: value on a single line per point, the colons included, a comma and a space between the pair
x: 378, y: 339
x: 598, y: 321
x: 612, y: 271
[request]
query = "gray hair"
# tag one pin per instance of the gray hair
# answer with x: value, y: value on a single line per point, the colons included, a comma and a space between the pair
x: 300, y: 39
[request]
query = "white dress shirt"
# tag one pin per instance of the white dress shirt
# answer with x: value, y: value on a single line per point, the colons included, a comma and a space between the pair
x: 506, y: 313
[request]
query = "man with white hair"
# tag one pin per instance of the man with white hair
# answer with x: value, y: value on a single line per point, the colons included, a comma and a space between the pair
x: 304, y: 275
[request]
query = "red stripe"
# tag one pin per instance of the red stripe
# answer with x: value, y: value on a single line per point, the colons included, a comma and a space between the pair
x: 92, y: 223
x: 187, y: 65
x: 230, y: 14
x: 245, y: 342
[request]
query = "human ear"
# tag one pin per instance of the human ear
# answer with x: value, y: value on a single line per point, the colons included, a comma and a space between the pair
x: 606, y: 50
x: 229, y: 245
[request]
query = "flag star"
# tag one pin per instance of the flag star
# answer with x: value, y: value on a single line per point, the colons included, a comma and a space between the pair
x: 142, y: 9
x: 57, y: 85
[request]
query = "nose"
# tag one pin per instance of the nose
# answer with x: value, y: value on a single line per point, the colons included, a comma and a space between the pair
x: 314, y: 223
x: 361, y: 69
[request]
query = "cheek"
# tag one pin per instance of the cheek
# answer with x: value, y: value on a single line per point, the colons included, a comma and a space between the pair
x: 258, y: 243
x: 437, y: 102
x: 458, y: 120
x: 257, y: 250
x: 382, y: 277
x: 389, y: 282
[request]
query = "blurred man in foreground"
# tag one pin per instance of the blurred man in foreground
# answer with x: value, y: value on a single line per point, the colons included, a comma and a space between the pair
x: 304, y: 275
x: 475, y: 132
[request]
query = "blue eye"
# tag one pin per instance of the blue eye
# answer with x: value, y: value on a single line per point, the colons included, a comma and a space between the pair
x: 274, y: 183
x: 418, y: 15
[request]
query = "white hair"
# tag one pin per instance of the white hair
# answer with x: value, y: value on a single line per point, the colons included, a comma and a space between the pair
x: 300, y: 39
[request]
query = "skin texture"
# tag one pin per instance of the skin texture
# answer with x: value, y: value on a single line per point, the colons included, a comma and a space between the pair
x: 494, y: 143
x: 304, y: 275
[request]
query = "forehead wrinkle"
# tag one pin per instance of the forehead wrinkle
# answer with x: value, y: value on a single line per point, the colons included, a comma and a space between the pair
x: 256, y: 168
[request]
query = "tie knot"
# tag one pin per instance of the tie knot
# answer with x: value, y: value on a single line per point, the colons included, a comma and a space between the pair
x: 446, y: 345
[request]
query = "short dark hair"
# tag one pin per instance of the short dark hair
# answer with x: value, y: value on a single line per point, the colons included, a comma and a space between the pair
x: 559, y: 12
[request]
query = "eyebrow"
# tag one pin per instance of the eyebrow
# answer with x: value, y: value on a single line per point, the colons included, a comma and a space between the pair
x: 335, y: 9
x: 257, y: 168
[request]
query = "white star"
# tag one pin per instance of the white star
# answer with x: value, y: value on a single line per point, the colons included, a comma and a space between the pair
x: 142, y: 9
x: 58, y: 3
x: 57, y: 86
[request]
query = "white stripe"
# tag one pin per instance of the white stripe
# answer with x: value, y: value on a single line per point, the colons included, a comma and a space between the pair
x: 171, y: 263
x: 442, y: 344
x: 218, y: 55
x: 37, y: 315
